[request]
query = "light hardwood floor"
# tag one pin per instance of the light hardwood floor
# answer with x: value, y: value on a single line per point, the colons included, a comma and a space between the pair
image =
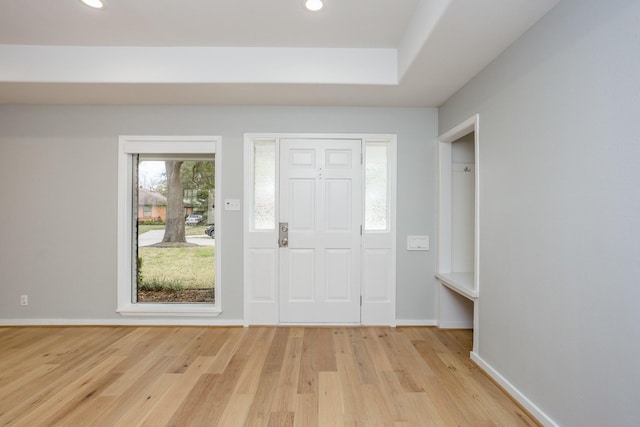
x: 258, y: 376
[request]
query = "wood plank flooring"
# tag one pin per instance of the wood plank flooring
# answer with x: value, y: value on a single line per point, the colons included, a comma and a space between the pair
x: 258, y: 376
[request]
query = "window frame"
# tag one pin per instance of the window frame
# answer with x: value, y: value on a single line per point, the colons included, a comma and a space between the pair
x: 161, y: 145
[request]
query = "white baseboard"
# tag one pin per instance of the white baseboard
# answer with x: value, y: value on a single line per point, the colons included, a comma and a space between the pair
x: 516, y: 394
x: 122, y: 322
x: 416, y: 322
x: 455, y: 324
x: 141, y: 321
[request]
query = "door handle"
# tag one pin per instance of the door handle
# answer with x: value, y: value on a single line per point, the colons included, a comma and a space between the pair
x: 283, y: 235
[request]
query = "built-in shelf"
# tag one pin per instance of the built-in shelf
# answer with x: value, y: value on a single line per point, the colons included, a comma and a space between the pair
x: 458, y: 225
x: 461, y: 283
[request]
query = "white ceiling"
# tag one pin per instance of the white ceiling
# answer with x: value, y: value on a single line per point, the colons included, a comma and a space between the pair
x: 379, y: 23
x: 353, y: 52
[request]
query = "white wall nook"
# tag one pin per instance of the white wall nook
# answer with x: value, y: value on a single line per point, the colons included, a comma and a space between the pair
x: 458, y: 237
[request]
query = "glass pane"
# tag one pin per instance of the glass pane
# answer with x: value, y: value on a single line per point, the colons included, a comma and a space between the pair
x: 376, y: 180
x: 264, y: 185
x: 175, y: 242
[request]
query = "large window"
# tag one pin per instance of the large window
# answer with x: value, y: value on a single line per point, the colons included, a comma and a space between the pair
x: 168, y: 230
x: 174, y: 243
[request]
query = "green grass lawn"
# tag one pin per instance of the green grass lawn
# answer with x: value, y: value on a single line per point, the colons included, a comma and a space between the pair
x: 194, y: 231
x: 173, y: 268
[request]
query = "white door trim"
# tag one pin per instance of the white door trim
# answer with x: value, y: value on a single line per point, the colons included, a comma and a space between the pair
x: 260, y: 249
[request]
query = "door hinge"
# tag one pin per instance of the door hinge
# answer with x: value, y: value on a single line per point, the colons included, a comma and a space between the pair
x: 361, y: 230
x: 360, y: 300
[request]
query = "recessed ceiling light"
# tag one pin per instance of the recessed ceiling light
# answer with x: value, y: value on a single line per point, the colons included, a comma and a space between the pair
x: 94, y: 3
x: 313, y: 5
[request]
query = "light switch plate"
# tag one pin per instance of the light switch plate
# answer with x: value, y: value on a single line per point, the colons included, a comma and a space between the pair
x: 417, y: 243
x: 231, y: 204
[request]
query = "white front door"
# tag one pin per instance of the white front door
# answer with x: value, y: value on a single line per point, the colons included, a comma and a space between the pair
x: 321, y: 203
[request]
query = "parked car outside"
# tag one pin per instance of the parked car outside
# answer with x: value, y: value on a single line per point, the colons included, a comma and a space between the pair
x: 193, y: 219
x: 210, y: 231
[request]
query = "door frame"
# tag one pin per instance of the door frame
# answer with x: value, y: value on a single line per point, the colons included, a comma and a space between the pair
x: 260, y: 248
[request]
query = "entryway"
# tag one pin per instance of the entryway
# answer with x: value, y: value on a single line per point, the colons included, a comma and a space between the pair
x: 319, y: 243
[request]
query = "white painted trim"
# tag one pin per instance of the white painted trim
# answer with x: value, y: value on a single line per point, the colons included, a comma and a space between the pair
x: 516, y: 394
x: 183, y: 322
x: 121, y: 322
x: 162, y: 144
x: 460, y: 130
x: 416, y: 322
x: 319, y: 324
x: 170, y: 310
x: 460, y: 283
x: 363, y: 136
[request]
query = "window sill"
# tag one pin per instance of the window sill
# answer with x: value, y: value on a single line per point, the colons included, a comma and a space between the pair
x: 170, y: 309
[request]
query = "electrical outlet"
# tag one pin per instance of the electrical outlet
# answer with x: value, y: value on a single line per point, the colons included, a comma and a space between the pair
x: 24, y: 299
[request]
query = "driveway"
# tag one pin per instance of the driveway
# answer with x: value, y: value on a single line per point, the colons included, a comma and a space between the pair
x: 155, y: 236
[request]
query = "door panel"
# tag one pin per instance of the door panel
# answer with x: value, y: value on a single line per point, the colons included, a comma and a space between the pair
x: 320, y: 199
x: 338, y: 159
x: 302, y: 275
x: 338, y: 205
x: 338, y: 274
x: 263, y: 274
x: 300, y: 158
x: 302, y: 204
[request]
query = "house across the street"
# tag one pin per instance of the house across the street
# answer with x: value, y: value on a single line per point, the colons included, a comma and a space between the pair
x: 152, y: 206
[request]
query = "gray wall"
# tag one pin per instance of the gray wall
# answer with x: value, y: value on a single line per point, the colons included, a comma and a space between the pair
x: 58, y: 186
x: 560, y: 211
